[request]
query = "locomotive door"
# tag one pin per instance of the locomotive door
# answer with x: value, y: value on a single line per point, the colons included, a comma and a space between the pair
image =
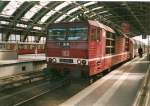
x: 99, y: 50
x: 95, y: 50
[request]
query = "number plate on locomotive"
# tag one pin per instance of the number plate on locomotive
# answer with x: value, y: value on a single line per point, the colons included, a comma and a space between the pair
x: 66, y: 60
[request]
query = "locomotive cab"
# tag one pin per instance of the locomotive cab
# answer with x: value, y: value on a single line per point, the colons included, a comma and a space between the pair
x: 67, y: 46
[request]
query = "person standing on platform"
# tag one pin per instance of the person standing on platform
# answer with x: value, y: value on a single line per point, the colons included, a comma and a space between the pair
x: 140, y: 51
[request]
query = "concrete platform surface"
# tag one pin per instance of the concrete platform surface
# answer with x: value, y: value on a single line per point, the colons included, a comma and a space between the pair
x: 118, y: 88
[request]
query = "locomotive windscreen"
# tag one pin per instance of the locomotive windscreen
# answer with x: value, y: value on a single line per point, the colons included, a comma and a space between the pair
x: 68, y: 33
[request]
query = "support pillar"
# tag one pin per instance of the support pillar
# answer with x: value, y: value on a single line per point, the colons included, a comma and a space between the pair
x: 37, y: 38
x: 4, y: 37
x: 22, y: 38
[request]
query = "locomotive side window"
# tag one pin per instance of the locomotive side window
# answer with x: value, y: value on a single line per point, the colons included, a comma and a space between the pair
x: 110, y: 43
x: 126, y: 44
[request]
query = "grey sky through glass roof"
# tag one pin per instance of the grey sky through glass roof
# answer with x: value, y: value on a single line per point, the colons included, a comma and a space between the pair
x: 35, y: 9
x: 11, y: 7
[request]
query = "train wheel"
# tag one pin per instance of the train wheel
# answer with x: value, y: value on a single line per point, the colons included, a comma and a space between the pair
x: 98, y: 76
x: 109, y: 70
x: 66, y: 75
x: 66, y: 72
x: 55, y: 74
x: 47, y: 73
x: 67, y: 81
x: 91, y: 80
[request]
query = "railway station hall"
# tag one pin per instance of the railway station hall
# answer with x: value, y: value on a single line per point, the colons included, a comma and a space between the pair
x: 74, y: 53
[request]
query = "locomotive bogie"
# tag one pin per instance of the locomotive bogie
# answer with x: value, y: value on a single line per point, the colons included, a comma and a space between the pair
x: 72, y: 69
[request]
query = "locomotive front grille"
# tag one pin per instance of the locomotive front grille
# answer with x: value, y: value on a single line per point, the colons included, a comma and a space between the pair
x: 66, y: 60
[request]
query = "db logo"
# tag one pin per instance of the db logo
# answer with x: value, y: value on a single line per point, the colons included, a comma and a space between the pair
x: 65, y: 53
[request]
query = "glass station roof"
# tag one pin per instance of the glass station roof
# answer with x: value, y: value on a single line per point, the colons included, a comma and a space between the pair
x: 55, y: 10
x: 36, y: 15
x: 11, y: 7
x: 35, y: 9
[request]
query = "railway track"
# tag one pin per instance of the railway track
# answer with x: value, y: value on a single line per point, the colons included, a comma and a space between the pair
x: 29, y: 94
x: 22, y: 96
x: 19, y: 79
x: 59, y: 95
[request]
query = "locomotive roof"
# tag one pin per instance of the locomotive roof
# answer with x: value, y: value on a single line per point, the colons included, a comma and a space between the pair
x: 98, y: 24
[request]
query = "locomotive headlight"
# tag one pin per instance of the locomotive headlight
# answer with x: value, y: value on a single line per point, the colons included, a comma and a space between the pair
x: 84, y: 62
x: 79, y: 61
x: 54, y: 60
x: 50, y: 60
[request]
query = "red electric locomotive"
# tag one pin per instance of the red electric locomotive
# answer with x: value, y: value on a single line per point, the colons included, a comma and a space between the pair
x: 85, y: 48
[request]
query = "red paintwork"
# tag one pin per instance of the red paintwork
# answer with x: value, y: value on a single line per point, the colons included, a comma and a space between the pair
x: 76, y: 50
x: 89, y: 50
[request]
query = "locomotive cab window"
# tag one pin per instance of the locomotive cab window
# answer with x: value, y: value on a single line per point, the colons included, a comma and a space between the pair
x: 68, y: 34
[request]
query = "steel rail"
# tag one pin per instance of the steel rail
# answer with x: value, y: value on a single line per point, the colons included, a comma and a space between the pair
x: 20, y: 97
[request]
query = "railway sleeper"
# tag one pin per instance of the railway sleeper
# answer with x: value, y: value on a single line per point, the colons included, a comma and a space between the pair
x: 18, y: 81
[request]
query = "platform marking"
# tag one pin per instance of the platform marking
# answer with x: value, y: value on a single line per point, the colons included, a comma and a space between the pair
x: 85, y: 92
x: 78, y: 97
x: 31, y: 98
x: 109, y: 93
x: 147, y: 99
x: 140, y: 92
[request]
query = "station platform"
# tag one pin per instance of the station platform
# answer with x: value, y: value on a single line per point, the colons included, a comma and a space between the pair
x: 24, y: 64
x: 24, y: 58
x: 32, y: 56
x: 118, y: 88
